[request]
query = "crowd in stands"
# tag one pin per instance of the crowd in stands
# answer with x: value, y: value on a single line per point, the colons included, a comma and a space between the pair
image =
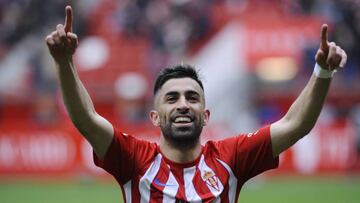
x: 170, y: 26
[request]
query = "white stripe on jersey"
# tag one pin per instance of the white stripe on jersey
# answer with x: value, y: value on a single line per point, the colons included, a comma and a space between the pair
x: 232, y: 182
x: 190, y: 191
x: 203, y: 167
x: 217, y: 200
x: 170, y: 189
x: 147, y: 179
x: 127, y: 190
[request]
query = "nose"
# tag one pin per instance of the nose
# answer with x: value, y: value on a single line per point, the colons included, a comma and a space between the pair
x: 182, y: 105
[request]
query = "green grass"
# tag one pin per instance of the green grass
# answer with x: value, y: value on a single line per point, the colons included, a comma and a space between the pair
x: 303, y: 190
x: 59, y: 192
x: 275, y: 190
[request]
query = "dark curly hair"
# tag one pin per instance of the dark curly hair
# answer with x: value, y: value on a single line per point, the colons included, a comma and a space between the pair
x: 177, y: 71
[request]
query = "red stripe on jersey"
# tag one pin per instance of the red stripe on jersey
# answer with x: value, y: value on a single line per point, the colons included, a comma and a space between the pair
x: 159, y: 183
x: 200, y: 186
x: 179, y: 176
x: 135, y: 193
x: 225, y: 194
x: 155, y: 194
x: 223, y: 176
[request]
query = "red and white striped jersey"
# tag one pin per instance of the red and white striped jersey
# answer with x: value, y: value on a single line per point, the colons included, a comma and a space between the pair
x: 217, y: 175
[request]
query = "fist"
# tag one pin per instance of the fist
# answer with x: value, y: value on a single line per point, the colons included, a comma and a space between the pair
x: 62, y: 43
x: 329, y: 56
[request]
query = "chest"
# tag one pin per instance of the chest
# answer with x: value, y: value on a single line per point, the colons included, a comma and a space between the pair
x: 206, y: 181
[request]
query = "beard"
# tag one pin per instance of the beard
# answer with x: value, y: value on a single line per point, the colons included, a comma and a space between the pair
x: 182, y: 136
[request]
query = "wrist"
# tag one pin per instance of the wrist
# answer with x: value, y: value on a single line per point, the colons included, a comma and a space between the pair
x: 320, y: 72
x: 63, y: 61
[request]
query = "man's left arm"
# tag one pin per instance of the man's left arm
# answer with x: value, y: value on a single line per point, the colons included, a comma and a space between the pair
x: 303, y: 113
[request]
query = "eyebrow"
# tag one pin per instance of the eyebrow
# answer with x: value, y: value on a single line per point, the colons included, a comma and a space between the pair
x: 171, y: 93
x: 191, y: 92
x: 175, y: 93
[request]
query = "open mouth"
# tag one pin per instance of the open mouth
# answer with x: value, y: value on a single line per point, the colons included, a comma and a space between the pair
x: 182, y: 121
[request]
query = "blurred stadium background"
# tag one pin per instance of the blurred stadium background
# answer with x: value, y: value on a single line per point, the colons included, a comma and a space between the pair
x: 254, y: 57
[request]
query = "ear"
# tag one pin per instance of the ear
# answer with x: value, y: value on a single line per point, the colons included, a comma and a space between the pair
x: 154, y: 117
x: 206, y: 115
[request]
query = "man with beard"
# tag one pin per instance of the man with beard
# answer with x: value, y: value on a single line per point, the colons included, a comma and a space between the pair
x: 180, y: 169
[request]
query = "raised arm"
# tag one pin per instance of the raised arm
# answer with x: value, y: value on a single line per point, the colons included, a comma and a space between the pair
x: 62, y: 44
x: 303, y: 113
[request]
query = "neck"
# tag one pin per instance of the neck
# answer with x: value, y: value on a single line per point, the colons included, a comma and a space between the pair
x: 180, y: 154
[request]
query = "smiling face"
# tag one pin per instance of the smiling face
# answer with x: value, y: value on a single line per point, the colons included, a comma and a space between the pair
x: 180, y: 111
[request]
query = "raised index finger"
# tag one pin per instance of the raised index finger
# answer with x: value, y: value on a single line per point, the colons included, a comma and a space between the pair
x: 324, y: 38
x: 68, y: 19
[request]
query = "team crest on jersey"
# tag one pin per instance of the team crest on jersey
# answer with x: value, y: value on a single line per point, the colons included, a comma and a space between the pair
x: 211, y: 180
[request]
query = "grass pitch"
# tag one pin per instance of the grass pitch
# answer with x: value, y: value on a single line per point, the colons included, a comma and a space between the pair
x: 275, y: 190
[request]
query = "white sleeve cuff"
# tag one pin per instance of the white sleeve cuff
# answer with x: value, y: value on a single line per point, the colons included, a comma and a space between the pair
x: 323, y: 73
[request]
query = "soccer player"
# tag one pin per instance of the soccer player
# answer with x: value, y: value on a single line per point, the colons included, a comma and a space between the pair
x: 179, y: 168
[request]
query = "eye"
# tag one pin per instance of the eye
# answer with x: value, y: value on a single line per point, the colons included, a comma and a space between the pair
x: 193, y: 98
x: 171, y: 99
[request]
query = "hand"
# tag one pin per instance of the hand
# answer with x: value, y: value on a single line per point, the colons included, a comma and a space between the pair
x: 329, y: 56
x: 62, y: 43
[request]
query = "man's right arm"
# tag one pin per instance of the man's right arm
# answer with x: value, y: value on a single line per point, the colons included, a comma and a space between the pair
x: 97, y: 130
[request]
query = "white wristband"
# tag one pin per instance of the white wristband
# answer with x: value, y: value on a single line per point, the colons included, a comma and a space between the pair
x: 323, y: 73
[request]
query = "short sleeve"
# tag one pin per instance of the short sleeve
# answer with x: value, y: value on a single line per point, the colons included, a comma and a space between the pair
x: 250, y: 154
x: 125, y: 156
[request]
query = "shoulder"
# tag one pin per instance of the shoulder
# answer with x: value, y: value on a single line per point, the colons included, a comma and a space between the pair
x: 129, y: 139
x: 128, y: 147
x: 239, y: 142
x: 224, y: 148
